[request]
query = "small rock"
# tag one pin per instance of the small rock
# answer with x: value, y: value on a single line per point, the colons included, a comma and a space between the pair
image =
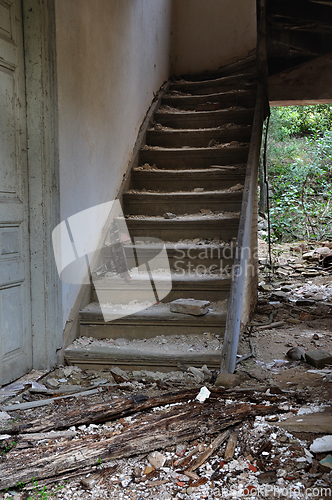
x: 119, y: 375
x: 148, y: 469
x: 68, y: 371
x: 327, y: 461
x: 197, y: 373
x: 293, y: 321
x: 4, y: 416
x: 169, y: 215
x: 206, y: 211
x: 279, y: 295
x: 156, y: 459
x: 203, y: 394
x: 315, y: 336
x: 228, y: 380
x: 296, y: 353
x: 180, y: 450
x: 198, y: 190
x: 52, y: 383
x: 318, y: 358
x: 322, y: 444
x: 306, y: 317
x: 190, y: 306
x: 305, y: 302
x: 121, y: 342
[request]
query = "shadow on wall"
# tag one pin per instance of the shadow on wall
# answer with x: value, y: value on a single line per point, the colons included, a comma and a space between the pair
x: 211, y: 33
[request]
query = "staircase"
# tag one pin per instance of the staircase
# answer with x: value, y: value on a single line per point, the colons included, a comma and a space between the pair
x: 186, y: 191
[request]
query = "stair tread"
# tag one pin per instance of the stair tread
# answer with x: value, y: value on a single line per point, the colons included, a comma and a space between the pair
x: 186, y: 194
x: 157, y: 312
x: 215, y: 112
x: 134, y: 359
x: 215, y: 81
x: 194, y: 218
x: 198, y: 97
x: 221, y: 128
x: 224, y: 169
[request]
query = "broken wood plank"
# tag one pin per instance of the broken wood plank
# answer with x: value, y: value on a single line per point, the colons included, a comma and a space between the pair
x: 159, y: 430
x: 210, y: 449
x: 28, y: 440
x: 111, y: 409
x: 230, y: 448
x: 271, y: 325
x: 45, y: 402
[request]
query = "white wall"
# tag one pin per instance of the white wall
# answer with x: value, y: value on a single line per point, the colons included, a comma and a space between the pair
x: 112, y: 55
x: 208, y: 34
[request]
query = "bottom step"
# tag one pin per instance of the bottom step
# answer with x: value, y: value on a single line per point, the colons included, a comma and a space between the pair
x: 161, y: 353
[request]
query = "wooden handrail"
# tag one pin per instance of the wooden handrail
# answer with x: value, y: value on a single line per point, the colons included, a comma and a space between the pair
x: 233, y: 322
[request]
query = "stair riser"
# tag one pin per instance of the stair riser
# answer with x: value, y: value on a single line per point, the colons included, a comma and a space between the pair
x: 146, y: 331
x: 203, y: 103
x: 183, y: 159
x: 219, y: 86
x: 122, y: 296
x: 168, y: 232
x: 184, y: 259
x: 206, y: 120
x: 196, y: 139
x: 143, y: 363
x: 177, y: 181
x: 153, y: 205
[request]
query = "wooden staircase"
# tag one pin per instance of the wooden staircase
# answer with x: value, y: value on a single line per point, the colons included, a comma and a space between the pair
x: 187, y: 191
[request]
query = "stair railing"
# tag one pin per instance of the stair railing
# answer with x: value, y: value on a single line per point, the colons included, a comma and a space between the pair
x: 243, y: 246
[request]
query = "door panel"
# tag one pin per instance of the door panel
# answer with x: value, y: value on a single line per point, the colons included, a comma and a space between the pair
x: 15, y: 306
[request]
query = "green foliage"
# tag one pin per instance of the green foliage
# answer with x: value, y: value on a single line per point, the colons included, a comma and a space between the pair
x: 299, y: 161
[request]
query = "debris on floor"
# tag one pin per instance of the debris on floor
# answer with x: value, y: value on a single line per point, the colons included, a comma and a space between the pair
x: 192, y: 433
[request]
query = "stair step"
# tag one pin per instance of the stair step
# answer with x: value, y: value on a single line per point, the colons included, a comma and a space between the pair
x: 183, y: 285
x: 224, y: 227
x: 150, y: 322
x: 209, y: 178
x: 169, y: 138
x: 194, y: 157
x: 245, y: 98
x: 245, y: 81
x: 131, y: 359
x: 146, y: 203
x: 181, y: 257
x: 204, y: 119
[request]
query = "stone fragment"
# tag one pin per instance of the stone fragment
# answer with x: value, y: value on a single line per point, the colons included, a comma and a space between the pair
x: 322, y: 444
x: 180, y: 450
x: 198, y: 190
x: 206, y: 211
x: 279, y: 295
x: 293, y: 321
x: 316, y: 423
x: 68, y: 371
x: 318, y: 358
x: 52, y: 383
x: 327, y: 461
x: 190, y: 306
x: 197, y: 373
x: 305, y: 302
x: 148, y: 469
x: 306, y: 317
x: 157, y: 459
x: 203, y: 394
x: 169, y: 215
x: 228, y: 380
x: 4, y: 416
x: 296, y: 353
x: 119, y: 375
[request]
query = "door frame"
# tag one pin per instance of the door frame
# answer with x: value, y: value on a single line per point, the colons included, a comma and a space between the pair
x: 43, y: 178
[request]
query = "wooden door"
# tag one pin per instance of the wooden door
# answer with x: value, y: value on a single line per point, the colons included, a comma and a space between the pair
x: 15, y: 305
